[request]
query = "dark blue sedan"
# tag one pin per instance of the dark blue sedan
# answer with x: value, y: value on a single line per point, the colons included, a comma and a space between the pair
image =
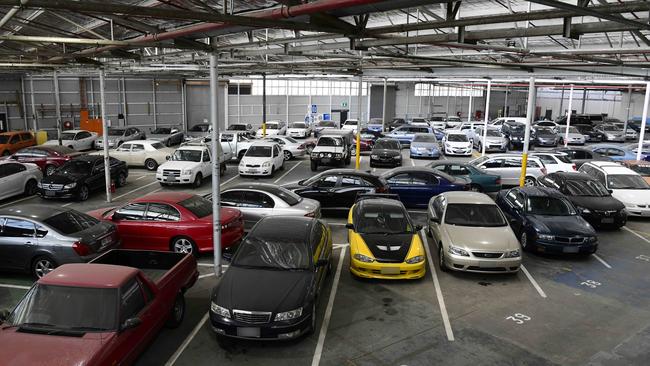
x: 416, y: 185
x: 546, y: 221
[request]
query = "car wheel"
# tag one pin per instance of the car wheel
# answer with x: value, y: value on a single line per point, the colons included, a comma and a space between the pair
x: 177, y: 313
x: 83, y: 193
x: 49, y: 170
x: 561, y: 142
x: 272, y: 171
x: 523, y: 239
x: 183, y: 244
x: 222, y: 169
x: 441, y: 259
x: 480, y: 146
x: 198, y: 180
x: 42, y: 265
x: 30, y: 187
x: 121, y: 180
x: 287, y: 155
x: 475, y: 188
x: 151, y: 164
x: 530, y: 182
x: 314, y: 166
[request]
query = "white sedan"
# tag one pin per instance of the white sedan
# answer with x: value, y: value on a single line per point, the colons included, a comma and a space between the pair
x: 262, y: 158
x: 290, y: 147
x: 299, y: 129
x: 78, y: 140
x: 456, y: 142
x: 147, y: 153
x: 18, y: 178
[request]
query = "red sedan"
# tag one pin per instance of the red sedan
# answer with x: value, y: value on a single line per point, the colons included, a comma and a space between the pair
x: 48, y: 158
x: 176, y: 221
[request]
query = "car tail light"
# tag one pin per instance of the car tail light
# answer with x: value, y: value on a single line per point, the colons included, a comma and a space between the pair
x: 498, y: 181
x: 301, y: 147
x: 81, y: 248
x: 310, y: 214
x: 382, y: 189
x: 574, y: 167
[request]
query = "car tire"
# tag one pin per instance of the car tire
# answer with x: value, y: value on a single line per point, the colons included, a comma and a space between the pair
x: 121, y: 180
x: 177, y: 312
x: 31, y: 187
x: 151, y: 164
x: 222, y: 169
x: 441, y: 260
x: 183, y: 244
x: 42, y: 265
x: 348, y: 160
x: 49, y: 170
x: 475, y: 188
x: 561, y: 142
x: 530, y: 182
x: 198, y: 180
x: 479, y: 146
x: 287, y: 155
x: 272, y: 171
x: 314, y: 166
x: 523, y: 240
x: 83, y: 194
x: 163, y: 184
x: 282, y: 166
x: 429, y: 233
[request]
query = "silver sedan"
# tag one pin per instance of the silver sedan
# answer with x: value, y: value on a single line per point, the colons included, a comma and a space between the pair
x: 256, y: 200
x: 290, y: 147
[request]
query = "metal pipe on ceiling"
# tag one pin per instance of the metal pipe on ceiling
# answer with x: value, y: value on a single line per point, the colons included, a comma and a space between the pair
x: 5, y: 19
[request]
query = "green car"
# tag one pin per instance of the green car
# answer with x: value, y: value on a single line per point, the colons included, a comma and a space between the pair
x: 481, y: 180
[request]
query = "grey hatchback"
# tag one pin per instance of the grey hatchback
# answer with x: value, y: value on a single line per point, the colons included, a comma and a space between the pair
x: 37, y: 239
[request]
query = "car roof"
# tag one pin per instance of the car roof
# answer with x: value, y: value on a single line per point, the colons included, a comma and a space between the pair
x: 379, y: 201
x: 596, y: 146
x: 75, y: 131
x: 573, y: 175
x: 467, y: 197
x: 388, y: 139
x: 264, y: 143
x: 406, y: 169
x: 264, y: 187
x: 276, y: 226
x: 33, y: 211
x: 615, y: 169
x: 88, y: 158
x: 602, y: 164
x: 342, y: 171
x: 193, y: 147
x: 93, y: 275
x: 145, y: 141
x: 454, y: 132
x: 535, y: 191
x: 167, y: 197
x: 637, y: 162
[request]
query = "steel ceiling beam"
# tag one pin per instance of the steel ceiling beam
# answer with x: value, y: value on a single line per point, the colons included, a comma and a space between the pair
x: 590, y: 11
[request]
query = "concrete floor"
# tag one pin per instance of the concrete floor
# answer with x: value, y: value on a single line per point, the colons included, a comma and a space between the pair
x: 561, y: 310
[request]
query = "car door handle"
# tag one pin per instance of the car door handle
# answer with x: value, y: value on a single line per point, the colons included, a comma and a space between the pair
x: 29, y: 243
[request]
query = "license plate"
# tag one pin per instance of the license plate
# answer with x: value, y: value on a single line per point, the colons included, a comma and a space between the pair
x: 50, y: 193
x: 607, y: 220
x: 106, y: 240
x: 251, y: 171
x: 487, y: 264
x: 325, y: 160
x: 571, y: 249
x: 170, y: 179
x: 248, y: 332
x: 390, y: 270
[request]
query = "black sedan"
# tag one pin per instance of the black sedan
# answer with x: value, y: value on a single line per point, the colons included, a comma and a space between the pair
x: 80, y: 176
x: 386, y: 152
x: 271, y: 288
x: 581, y: 155
x: 546, y: 221
x: 337, y: 189
x: 590, y: 197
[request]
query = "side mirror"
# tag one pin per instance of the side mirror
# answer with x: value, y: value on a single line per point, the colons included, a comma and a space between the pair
x: 300, y: 182
x: 610, y: 191
x: 116, y: 217
x: 4, y: 314
x: 131, y: 323
x: 168, y: 157
x: 322, y: 263
x: 418, y: 227
x: 349, y: 226
x: 434, y: 219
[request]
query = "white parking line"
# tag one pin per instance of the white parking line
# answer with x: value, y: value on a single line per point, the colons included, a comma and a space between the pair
x: 15, y: 286
x: 532, y: 280
x: 20, y: 200
x: 412, y: 162
x: 187, y: 341
x: 436, y: 285
x: 144, y: 176
x: 635, y: 233
x: 288, y: 171
x: 67, y: 204
x: 602, y: 261
x: 229, y: 180
x: 134, y: 190
x: 328, y: 312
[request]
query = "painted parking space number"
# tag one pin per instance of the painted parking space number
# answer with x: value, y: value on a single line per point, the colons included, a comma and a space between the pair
x: 519, y: 318
x: 590, y: 283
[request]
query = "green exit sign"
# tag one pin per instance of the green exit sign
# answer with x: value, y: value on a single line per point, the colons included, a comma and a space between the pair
x: 344, y: 104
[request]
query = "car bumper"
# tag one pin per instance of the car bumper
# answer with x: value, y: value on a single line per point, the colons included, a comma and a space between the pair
x: 328, y: 161
x: 269, y: 331
x: 600, y: 219
x: 484, y: 265
x: 425, y: 153
x: 464, y: 152
x: 494, y: 147
x: 183, y: 179
x: 637, y: 211
x: 387, y: 271
x: 555, y: 248
x: 298, y: 134
x: 615, y: 138
x: 66, y: 193
x: 255, y: 171
x: 389, y: 162
x: 546, y: 143
x: 575, y: 141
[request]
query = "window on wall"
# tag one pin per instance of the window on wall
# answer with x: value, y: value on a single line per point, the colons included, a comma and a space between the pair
x: 298, y: 87
x: 443, y: 90
x: 244, y: 88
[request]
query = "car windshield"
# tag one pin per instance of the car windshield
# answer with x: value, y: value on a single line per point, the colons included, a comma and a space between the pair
x: 457, y: 138
x: 516, y: 126
x: 590, y: 188
x: 259, y: 151
x: 237, y: 128
x: 75, y: 167
x: 425, y: 138
x: 199, y: 128
x: 329, y: 141
x: 326, y: 124
x: 115, y: 132
x: 68, y: 136
x: 274, y: 251
x: 626, y: 181
x: 383, y: 219
x: 545, y: 131
x: 4, y: 139
x: 493, y: 133
x: 549, y: 206
x: 610, y: 128
x: 453, y: 119
x: 571, y: 130
x: 162, y: 131
x: 469, y: 214
x: 272, y: 126
x: 66, y: 308
x: 298, y: 125
x: 643, y: 170
x: 197, y: 205
x: 158, y: 145
x: 70, y: 222
x: 387, y: 144
x: 187, y: 155
x: 350, y: 123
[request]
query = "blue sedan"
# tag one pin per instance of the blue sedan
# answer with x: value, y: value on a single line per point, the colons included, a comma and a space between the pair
x: 404, y: 134
x: 416, y: 185
x: 615, y: 152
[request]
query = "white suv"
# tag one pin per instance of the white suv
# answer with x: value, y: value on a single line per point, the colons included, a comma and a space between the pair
x: 262, y: 158
x: 625, y: 184
x: 508, y: 166
x: 188, y: 165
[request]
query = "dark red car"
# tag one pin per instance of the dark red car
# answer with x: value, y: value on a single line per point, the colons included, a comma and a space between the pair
x: 175, y: 221
x: 48, y: 158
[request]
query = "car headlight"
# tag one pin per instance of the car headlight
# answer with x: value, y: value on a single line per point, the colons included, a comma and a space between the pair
x: 583, y: 210
x: 70, y: 186
x: 397, y: 157
x: 416, y: 259
x: 592, y: 239
x: 512, y: 254
x: 288, y: 315
x: 187, y: 171
x: 545, y: 237
x: 374, y: 156
x: 363, y: 258
x: 458, y: 251
x: 39, y: 185
x: 266, y: 164
x: 220, y: 310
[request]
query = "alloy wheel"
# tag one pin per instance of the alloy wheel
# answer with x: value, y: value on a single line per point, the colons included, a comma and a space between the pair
x: 183, y: 245
x: 42, y: 267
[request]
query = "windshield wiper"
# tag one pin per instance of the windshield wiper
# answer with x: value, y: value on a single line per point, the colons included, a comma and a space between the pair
x: 87, y: 328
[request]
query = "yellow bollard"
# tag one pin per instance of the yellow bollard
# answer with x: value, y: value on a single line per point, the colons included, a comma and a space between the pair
x: 264, y: 129
x: 524, y: 164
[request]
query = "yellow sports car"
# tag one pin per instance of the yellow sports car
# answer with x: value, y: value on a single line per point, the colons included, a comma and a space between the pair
x: 384, y: 243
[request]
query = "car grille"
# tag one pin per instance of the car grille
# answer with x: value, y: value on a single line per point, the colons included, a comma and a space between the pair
x: 172, y: 173
x: 252, y: 317
x: 606, y: 213
x: 487, y: 255
x: 252, y: 165
x: 52, y: 187
x: 487, y: 269
x: 570, y: 240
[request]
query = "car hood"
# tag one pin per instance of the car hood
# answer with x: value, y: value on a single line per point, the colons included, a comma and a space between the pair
x: 56, y: 142
x: 606, y: 203
x: 110, y: 138
x: 256, y: 161
x: 62, y: 179
x: 179, y: 165
x: 561, y: 225
x: 458, y: 143
x: 428, y: 145
x: 550, y: 136
x: 482, y: 238
x: 388, y: 248
x: 296, y: 129
x: 615, y: 133
x: 52, y: 350
x: 386, y: 152
x: 262, y: 290
x: 574, y: 135
x: 633, y: 196
x: 158, y: 137
x: 327, y: 149
x: 496, y: 140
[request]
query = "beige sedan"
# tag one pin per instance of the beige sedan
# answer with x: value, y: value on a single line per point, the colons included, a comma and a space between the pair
x: 472, y: 234
x: 147, y: 153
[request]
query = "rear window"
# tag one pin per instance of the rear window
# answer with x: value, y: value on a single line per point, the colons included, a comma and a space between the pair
x: 71, y: 222
x: 158, y: 145
x: 563, y: 158
x: 288, y: 196
x: 197, y: 205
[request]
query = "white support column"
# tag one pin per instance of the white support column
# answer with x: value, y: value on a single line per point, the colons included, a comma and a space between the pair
x: 644, y: 117
x: 368, y: 95
x: 568, y: 117
x: 469, y: 110
x: 57, y: 100
x: 506, y: 110
x: 22, y: 93
x: 184, y: 103
x: 216, y: 198
x: 383, y: 109
x: 153, y: 98
x: 226, y: 108
x: 107, y: 162
x: 419, y: 100
x: 31, y: 96
x: 406, y: 115
x: 239, y: 103
x: 124, y: 109
x: 530, y: 111
x: 287, y: 101
x: 329, y: 91
x: 487, y: 113
x: 429, y: 100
